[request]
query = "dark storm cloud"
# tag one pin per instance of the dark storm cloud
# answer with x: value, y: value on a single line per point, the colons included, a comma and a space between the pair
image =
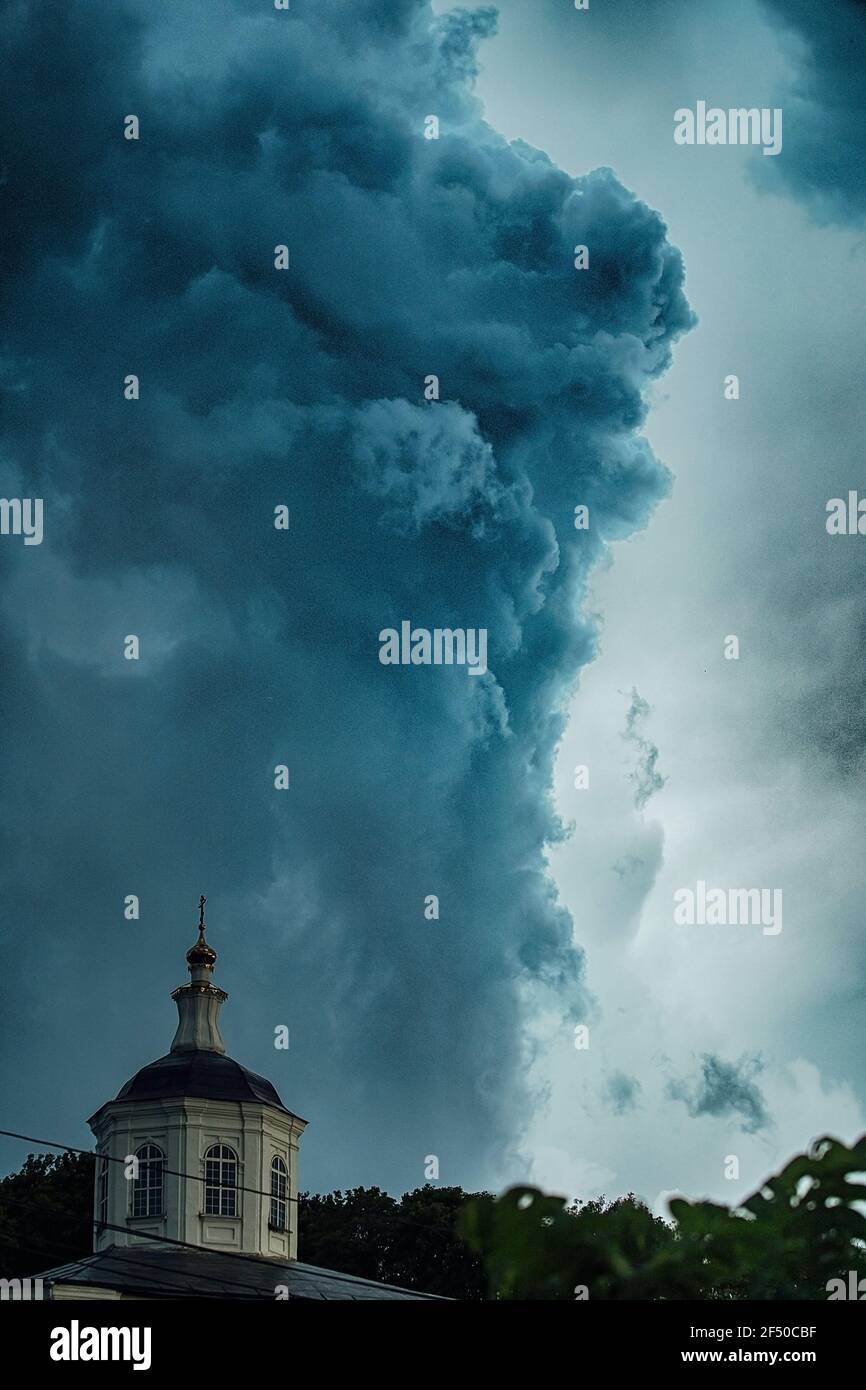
x: 621, y: 1092
x: 824, y: 158
x: 820, y: 588
x: 725, y: 1088
x: 408, y: 258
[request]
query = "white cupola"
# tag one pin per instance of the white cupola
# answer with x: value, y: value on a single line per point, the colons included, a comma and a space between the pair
x: 204, y: 1150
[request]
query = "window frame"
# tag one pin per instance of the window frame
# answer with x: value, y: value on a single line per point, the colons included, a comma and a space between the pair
x: 148, y: 1188
x: 102, y: 1193
x: 220, y: 1194
x: 279, y: 1209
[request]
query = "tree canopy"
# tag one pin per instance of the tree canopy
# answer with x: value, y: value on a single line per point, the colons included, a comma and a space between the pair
x: 46, y: 1213
x: 802, y: 1229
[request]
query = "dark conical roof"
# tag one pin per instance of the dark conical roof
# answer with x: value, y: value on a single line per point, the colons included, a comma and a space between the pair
x: 197, y: 1065
x: 202, y: 1075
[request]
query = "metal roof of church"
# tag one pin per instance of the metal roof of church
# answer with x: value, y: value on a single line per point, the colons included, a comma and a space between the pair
x: 197, y: 1065
x: 182, y: 1273
x: 202, y: 1074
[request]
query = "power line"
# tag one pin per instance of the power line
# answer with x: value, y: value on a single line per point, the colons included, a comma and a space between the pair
x: 172, y: 1172
x: 251, y: 1259
x: 194, y: 1177
x: 114, y: 1258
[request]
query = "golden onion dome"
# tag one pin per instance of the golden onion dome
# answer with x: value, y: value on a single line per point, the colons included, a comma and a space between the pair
x: 201, y: 953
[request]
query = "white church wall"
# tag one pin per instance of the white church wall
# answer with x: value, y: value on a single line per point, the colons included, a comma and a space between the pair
x: 184, y: 1130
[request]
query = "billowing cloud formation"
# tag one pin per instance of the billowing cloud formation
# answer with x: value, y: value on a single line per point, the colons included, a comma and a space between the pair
x: 408, y: 258
x: 645, y: 775
x: 824, y: 114
x: 725, y: 1088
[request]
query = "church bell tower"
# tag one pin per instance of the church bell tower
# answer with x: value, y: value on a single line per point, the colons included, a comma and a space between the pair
x: 204, y: 1151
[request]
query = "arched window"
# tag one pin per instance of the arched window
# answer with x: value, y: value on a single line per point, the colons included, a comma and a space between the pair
x: 102, y: 1193
x: 220, y: 1181
x: 148, y: 1182
x: 279, y: 1186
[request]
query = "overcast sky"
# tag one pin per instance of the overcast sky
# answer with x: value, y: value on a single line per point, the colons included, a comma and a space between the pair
x: 762, y: 757
x: 455, y: 1037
